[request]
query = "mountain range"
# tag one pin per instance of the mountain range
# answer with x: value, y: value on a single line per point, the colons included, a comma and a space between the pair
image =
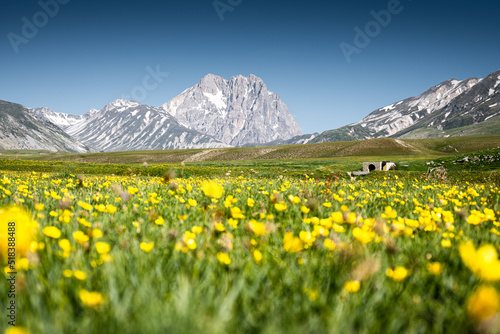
x: 241, y: 112
x: 451, y: 108
x: 22, y: 130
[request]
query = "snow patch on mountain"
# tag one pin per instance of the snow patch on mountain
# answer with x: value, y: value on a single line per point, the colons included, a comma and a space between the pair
x: 217, y: 99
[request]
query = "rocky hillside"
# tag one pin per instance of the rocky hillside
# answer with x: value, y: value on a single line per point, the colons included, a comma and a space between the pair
x: 237, y: 111
x: 20, y: 129
x: 454, y: 107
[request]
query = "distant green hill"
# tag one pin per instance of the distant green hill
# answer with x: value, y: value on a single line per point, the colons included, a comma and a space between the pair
x: 384, y: 148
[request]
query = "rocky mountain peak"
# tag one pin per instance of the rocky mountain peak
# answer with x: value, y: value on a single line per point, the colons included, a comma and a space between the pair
x: 122, y: 104
x: 237, y: 111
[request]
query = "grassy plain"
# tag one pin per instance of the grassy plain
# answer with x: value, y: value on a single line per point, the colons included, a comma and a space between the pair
x: 256, y: 240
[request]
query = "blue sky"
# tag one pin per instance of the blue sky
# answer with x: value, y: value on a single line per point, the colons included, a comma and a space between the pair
x: 90, y: 53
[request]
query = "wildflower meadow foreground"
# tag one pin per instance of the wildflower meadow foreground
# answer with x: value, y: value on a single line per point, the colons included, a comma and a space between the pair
x: 135, y: 254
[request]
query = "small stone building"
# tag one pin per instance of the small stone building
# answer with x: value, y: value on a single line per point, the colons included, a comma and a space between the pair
x: 378, y: 165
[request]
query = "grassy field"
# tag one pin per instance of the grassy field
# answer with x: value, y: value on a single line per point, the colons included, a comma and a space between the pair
x: 383, y: 148
x: 257, y: 245
x: 317, y: 160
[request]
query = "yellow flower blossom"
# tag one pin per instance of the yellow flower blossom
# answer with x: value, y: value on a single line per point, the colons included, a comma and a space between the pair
x: 435, y: 268
x: 212, y: 189
x: 16, y: 226
x: 397, y: 274
x: 80, y: 237
x: 329, y: 244
x: 147, y: 246
x: 257, y: 228
x: 233, y: 222
x: 91, y: 299
x: 223, y: 258
x: 52, y: 231
x: 304, y: 209
x: 236, y: 213
x: 85, y: 205
x: 160, y: 221
x: 16, y: 330
x: 483, y: 303
x: 280, y: 206
x: 96, y: 233
x: 111, y: 208
x: 362, y: 235
x: 257, y: 256
x: 352, y: 286
x: 102, y: 247
x: 292, y: 244
x: 80, y: 275
x: 483, y: 263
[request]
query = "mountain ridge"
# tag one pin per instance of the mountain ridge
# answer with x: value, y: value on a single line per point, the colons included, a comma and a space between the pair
x: 241, y: 111
x: 21, y: 129
x: 447, y: 103
x: 213, y: 113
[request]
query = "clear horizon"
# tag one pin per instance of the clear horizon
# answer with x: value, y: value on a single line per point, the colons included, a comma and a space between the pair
x: 331, y: 63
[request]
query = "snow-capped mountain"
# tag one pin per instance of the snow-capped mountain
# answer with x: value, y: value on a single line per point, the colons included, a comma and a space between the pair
x: 59, y: 119
x: 479, y: 105
x: 237, y: 111
x: 214, y: 113
x: 21, y: 129
x: 403, y: 114
x: 126, y: 125
x: 442, y: 110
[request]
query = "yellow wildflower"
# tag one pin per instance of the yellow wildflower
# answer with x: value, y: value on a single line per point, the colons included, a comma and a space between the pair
x: 212, y: 189
x: 484, y: 303
x: 483, y: 263
x: 362, y: 235
x: 435, y: 268
x: 80, y: 237
x: 223, y: 258
x: 80, y: 275
x: 292, y: 244
x: 257, y: 228
x: 16, y: 330
x: 111, y: 208
x: 102, y: 247
x: 236, y: 213
x: 91, y: 299
x: 280, y: 206
x: 352, y: 286
x: 160, y: 221
x: 329, y: 244
x: 84, y: 205
x: 96, y: 233
x: 15, y: 225
x: 52, y: 231
x: 147, y: 246
x: 397, y: 274
x: 257, y: 256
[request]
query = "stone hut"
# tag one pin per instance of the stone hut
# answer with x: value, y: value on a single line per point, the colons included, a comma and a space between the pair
x: 378, y: 165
